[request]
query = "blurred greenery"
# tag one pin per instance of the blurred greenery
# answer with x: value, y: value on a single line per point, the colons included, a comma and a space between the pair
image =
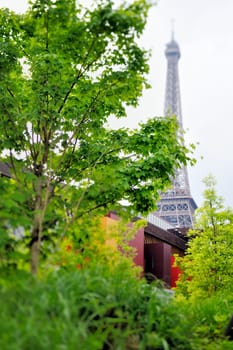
x: 95, y: 308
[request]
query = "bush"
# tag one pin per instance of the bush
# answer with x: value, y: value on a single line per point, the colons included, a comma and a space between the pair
x: 210, y: 317
x: 93, y: 309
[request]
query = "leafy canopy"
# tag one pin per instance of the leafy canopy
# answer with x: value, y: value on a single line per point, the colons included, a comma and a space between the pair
x: 64, y: 70
x: 208, y: 264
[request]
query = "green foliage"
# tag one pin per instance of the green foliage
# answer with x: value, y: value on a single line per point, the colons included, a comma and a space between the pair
x: 207, y: 319
x: 208, y: 264
x: 97, y: 309
x: 94, y: 241
x: 66, y: 70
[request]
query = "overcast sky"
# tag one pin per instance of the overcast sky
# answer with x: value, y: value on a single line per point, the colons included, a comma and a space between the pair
x: 204, y: 32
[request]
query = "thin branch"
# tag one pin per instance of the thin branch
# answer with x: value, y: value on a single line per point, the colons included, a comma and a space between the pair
x: 13, y: 167
x: 31, y: 146
x: 67, y: 96
x: 10, y: 92
x: 94, y: 208
x: 80, y: 72
x: 85, y: 115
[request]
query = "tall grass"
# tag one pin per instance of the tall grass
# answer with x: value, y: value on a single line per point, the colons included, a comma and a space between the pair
x: 93, y: 309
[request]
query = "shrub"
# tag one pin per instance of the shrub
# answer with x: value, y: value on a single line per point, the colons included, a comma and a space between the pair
x: 95, y: 309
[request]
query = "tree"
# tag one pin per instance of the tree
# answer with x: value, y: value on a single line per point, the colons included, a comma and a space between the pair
x: 208, y: 263
x: 64, y: 70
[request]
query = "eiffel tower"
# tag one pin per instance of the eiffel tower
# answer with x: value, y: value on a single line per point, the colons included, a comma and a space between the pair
x: 176, y: 205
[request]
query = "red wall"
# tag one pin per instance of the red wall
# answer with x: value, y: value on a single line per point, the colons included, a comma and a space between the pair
x: 175, y: 272
x: 138, y: 243
x: 157, y: 257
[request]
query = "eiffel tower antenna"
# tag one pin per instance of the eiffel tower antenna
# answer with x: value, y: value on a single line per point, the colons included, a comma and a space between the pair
x: 172, y: 27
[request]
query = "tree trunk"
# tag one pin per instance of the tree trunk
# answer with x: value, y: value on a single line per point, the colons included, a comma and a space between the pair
x: 36, y: 230
x: 35, y: 243
x: 35, y: 252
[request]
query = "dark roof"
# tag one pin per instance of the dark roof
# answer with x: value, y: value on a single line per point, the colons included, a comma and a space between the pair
x: 166, y: 236
x: 4, y: 169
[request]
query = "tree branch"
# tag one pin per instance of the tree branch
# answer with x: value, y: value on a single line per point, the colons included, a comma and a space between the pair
x: 80, y: 73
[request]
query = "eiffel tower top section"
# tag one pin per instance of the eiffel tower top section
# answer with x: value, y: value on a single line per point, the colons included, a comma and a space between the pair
x: 172, y: 106
x: 172, y: 96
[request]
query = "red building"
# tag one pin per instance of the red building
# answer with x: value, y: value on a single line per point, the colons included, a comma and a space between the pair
x: 156, y: 244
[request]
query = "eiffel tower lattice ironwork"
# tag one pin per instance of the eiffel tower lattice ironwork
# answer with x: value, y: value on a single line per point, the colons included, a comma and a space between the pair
x: 176, y: 205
